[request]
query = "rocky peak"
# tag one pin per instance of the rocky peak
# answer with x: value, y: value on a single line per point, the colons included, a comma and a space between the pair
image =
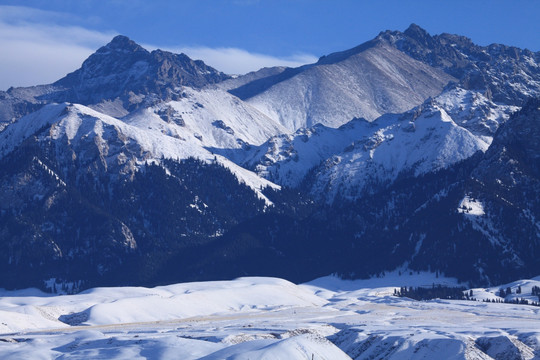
x: 419, y: 34
x: 122, y: 67
x: 496, y: 69
x: 108, y: 63
x: 122, y: 43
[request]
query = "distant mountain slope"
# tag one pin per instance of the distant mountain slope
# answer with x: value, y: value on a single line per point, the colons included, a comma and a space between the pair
x: 391, y: 74
x: 252, y: 78
x: 348, y: 156
x: 367, y: 82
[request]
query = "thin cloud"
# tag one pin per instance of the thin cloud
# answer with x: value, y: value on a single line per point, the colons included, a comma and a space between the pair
x: 37, y: 50
x: 239, y: 61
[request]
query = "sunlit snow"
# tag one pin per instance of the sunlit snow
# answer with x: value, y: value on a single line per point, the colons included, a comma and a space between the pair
x: 471, y: 206
x: 269, y: 318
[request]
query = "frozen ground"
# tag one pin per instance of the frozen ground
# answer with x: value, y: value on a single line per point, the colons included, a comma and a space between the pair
x: 267, y: 318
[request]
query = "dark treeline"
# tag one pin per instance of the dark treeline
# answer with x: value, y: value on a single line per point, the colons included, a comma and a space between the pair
x: 433, y: 292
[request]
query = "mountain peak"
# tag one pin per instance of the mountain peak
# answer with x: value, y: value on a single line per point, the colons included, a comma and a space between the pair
x: 123, y: 66
x: 414, y: 28
x: 416, y: 32
x: 123, y: 44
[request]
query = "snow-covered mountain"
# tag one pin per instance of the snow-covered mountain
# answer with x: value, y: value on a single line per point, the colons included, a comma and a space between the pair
x: 391, y: 74
x: 149, y: 167
x: 367, y: 81
x: 124, y: 67
x: 507, y: 74
x: 118, y: 78
x: 444, y: 130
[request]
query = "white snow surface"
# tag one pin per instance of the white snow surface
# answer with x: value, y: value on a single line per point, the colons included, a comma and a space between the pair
x: 200, y: 109
x: 471, y: 207
x: 269, y: 318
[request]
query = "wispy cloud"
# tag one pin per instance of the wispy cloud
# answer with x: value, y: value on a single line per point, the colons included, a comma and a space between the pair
x: 37, y: 49
x: 239, y: 61
x: 40, y: 47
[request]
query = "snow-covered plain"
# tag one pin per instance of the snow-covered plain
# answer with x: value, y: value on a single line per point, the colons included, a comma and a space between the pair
x: 268, y: 318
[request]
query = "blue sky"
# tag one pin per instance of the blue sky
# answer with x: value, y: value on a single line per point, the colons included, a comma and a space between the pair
x: 44, y: 40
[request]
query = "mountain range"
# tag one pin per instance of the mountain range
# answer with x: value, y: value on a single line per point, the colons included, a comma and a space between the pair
x: 149, y: 167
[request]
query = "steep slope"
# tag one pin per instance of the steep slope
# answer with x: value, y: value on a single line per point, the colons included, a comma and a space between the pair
x: 212, y: 117
x: 367, y: 81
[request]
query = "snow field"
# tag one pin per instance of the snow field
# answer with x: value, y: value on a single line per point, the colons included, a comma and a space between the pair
x: 268, y: 318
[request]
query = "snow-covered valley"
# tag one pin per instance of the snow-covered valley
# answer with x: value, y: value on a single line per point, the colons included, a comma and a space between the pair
x: 270, y: 318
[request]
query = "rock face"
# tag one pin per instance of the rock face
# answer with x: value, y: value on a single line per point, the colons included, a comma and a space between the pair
x: 123, y: 68
x: 508, y: 74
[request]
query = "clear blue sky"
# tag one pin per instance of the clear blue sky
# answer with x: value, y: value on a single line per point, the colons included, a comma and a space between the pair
x: 240, y: 35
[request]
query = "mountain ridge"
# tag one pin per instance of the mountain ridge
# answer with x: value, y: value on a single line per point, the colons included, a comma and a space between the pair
x: 164, y: 176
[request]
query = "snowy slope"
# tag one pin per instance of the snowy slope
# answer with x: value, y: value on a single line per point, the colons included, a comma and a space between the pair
x: 367, y: 82
x: 285, y: 159
x: 474, y: 111
x: 428, y: 143
x: 214, y: 117
x: 103, y: 306
x: 434, y: 135
x: 116, y: 146
x: 269, y: 318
